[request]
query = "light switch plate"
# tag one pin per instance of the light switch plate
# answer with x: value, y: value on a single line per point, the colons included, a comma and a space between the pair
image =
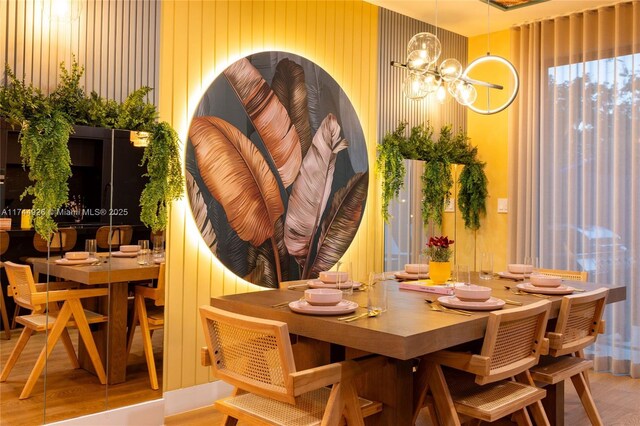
x: 502, y: 205
x: 451, y: 206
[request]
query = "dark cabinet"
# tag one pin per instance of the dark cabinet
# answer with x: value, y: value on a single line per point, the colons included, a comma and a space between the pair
x: 106, y: 175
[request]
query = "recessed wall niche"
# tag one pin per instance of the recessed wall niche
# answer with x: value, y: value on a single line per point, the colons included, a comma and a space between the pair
x: 276, y: 169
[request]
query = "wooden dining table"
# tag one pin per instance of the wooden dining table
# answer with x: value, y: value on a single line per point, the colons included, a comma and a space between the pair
x: 408, y: 330
x: 115, y: 273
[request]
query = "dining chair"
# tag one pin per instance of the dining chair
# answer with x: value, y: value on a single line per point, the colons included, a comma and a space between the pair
x: 482, y: 386
x: 579, y: 322
x: 255, y: 356
x: 113, y: 236
x: 566, y: 274
x: 4, y: 246
x: 42, y: 300
x: 149, y: 318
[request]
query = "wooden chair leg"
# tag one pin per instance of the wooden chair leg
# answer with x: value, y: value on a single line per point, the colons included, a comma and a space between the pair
x: 15, y: 353
x: 522, y: 418
x: 87, y: 338
x: 146, y: 340
x: 16, y: 312
x: 132, y: 328
x: 580, y: 354
x: 444, y: 404
x: 537, y: 409
x: 352, y: 410
x: 5, y: 317
x: 66, y: 339
x: 52, y: 339
x: 587, y: 400
x: 420, y: 390
x: 335, y: 404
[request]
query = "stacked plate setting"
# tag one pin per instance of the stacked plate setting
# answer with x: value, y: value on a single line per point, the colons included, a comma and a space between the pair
x: 413, y: 271
x: 127, y: 251
x: 545, y: 284
x: 517, y: 271
x: 332, y: 279
x: 76, y: 258
x: 472, y: 297
x: 323, y: 301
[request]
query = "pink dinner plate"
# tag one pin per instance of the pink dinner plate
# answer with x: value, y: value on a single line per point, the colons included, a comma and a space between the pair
x: 124, y: 254
x: 490, y: 304
x: 403, y: 275
x: 512, y: 276
x: 322, y: 284
x: 343, y: 307
x: 68, y: 262
x: 530, y: 288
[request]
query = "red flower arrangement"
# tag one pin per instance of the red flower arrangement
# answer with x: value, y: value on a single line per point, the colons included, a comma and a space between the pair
x: 438, y: 249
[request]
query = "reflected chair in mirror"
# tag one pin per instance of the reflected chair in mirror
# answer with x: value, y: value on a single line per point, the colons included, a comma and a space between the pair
x: 4, y: 246
x: 45, y: 315
x: 63, y: 240
x: 150, y: 317
x: 112, y: 237
x: 255, y: 356
x: 568, y: 275
x: 482, y: 386
x: 578, y: 324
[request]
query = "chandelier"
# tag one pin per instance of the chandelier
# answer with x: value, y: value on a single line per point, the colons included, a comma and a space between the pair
x: 427, y: 77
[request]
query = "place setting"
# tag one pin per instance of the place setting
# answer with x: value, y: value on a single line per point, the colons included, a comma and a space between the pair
x: 323, y: 301
x: 338, y: 279
x: 413, y: 271
x: 545, y: 285
x: 75, y: 258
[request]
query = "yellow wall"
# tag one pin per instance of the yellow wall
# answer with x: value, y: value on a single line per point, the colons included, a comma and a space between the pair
x: 490, y: 134
x: 199, y: 39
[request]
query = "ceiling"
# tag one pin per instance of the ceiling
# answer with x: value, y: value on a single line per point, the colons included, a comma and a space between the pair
x: 469, y: 17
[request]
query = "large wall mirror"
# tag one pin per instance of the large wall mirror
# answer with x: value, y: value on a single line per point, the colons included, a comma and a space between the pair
x: 78, y: 294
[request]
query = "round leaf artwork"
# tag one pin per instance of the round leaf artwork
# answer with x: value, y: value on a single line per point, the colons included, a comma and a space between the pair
x: 276, y: 169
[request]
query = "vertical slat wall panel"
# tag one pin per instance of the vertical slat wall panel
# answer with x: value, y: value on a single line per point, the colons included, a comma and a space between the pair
x: 395, y: 32
x: 198, y: 41
x: 116, y: 42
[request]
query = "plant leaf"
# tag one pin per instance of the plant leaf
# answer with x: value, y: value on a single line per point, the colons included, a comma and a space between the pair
x: 312, y: 188
x: 200, y: 212
x: 237, y: 175
x: 269, y: 118
x: 341, y: 224
x: 261, y: 260
x: 289, y: 86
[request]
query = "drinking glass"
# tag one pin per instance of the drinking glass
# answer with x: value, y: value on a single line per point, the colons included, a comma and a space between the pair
x: 463, y: 275
x: 91, y: 247
x: 423, y: 269
x: 486, y: 266
x: 158, y: 247
x: 533, y: 261
x: 377, y: 293
x: 144, y: 255
x: 344, y: 284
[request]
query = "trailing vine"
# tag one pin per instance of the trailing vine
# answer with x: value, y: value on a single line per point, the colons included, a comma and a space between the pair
x: 46, y: 124
x: 162, y: 159
x: 437, y: 179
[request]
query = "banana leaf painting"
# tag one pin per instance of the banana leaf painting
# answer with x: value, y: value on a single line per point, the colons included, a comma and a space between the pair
x: 276, y: 169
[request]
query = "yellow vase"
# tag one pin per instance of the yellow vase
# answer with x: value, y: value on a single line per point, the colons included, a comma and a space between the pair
x: 439, y: 272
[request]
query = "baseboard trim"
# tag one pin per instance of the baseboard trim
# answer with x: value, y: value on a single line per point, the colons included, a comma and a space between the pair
x: 153, y: 413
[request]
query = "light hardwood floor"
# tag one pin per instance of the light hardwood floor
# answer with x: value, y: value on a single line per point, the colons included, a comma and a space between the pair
x: 71, y: 393
x: 617, y: 399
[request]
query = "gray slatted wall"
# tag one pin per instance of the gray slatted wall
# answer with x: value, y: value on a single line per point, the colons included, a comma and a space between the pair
x: 395, y: 32
x: 115, y: 40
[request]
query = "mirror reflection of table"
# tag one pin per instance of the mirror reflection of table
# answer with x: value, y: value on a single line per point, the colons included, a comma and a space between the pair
x: 406, y: 331
x: 115, y: 273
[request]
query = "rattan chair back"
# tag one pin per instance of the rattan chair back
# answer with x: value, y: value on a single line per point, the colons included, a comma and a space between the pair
x: 578, y: 322
x: 250, y: 353
x: 569, y: 275
x: 64, y: 239
x: 513, y: 340
x: 113, y: 236
x: 22, y: 285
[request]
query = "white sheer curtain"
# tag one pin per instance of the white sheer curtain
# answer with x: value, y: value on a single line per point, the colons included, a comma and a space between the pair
x: 574, y: 161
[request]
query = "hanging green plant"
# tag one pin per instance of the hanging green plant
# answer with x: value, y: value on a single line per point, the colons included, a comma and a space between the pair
x: 164, y: 170
x: 46, y: 123
x: 437, y: 179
